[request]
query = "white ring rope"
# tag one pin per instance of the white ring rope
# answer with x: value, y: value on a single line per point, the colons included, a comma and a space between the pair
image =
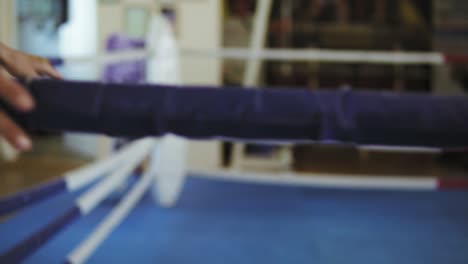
x: 88, y: 201
x: 324, y: 55
x: 83, y: 251
x: 303, y: 55
x: 80, y: 177
x: 323, y: 180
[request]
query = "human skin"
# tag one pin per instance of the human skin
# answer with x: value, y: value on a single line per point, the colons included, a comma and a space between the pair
x: 23, y: 66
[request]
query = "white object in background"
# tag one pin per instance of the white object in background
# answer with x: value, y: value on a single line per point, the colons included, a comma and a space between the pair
x: 163, y: 67
x: 78, y: 37
x: 170, y: 169
x: 169, y: 156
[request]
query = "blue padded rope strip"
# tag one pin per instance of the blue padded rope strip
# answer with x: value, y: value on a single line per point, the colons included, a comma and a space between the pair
x: 36, y: 194
x: 29, y: 245
x: 358, y: 117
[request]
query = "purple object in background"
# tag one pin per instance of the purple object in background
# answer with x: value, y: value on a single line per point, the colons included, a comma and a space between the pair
x: 124, y: 72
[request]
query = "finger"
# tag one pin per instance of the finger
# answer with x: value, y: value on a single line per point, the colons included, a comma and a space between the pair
x: 14, y: 93
x: 31, y: 76
x: 44, y: 68
x: 13, y: 134
x: 27, y: 76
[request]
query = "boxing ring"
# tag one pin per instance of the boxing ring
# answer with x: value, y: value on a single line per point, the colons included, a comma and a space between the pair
x: 161, y: 114
x: 241, y: 115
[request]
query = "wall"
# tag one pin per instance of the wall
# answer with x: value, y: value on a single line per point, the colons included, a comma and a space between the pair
x: 7, y: 22
x: 199, y: 26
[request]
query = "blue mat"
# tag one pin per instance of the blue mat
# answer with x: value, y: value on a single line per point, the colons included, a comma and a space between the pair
x: 221, y: 222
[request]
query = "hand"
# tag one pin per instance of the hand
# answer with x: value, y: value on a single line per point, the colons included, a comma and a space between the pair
x: 23, y: 66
